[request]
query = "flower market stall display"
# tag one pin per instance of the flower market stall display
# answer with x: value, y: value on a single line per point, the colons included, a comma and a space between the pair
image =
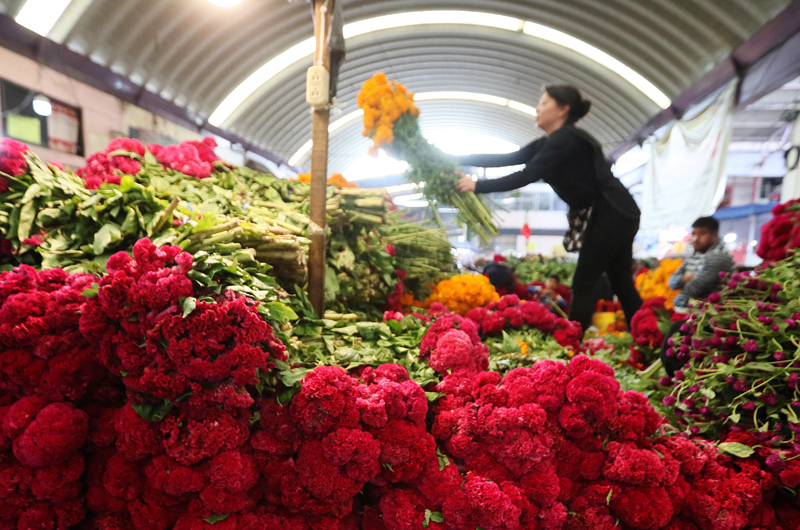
x: 741, y: 354
x: 129, y: 191
x: 654, y: 283
x: 781, y: 233
x: 391, y: 120
x: 178, y: 418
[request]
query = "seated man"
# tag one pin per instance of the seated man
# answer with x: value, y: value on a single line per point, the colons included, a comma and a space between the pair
x: 697, y: 277
x: 552, y: 291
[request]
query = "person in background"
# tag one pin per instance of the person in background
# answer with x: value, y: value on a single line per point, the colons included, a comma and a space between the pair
x: 571, y: 161
x: 697, y: 277
x: 552, y: 291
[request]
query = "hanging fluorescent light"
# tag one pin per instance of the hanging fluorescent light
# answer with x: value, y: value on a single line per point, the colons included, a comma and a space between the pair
x: 305, y: 50
x: 41, y: 15
x: 422, y: 96
x: 527, y: 109
x: 42, y: 105
x: 416, y: 18
x: 461, y: 96
x: 226, y: 3
x: 730, y: 237
x: 600, y: 57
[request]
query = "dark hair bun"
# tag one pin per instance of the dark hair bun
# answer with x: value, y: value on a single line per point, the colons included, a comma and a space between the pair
x: 569, y: 95
x: 583, y: 109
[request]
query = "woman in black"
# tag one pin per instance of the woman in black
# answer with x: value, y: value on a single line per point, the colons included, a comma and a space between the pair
x: 572, y: 163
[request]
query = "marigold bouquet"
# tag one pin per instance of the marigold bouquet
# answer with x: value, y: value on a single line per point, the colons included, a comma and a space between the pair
x: 781, y: 233
x: 464, y: 292
x: 654, y: 283
x: 391, y: 120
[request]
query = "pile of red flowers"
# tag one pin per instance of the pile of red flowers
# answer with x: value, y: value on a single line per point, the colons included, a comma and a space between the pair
x: 509, y: 312
x: 50, y: 385
x: 137, y: 402
x: 781, y: 233
x: 193, y: 158
x: 561, y: 446
x: 121, y: 157
x: 12, y: 160
x: 647, y: 329
x: 124, y: 156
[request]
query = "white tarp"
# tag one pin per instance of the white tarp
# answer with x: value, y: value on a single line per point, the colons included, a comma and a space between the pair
x: 685, y: 176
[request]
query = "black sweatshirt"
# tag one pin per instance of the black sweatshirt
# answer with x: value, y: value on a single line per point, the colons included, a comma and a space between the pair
x: 570, y: 161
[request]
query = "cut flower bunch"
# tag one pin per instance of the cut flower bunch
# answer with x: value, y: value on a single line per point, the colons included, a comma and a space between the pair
x: 655, y: 283
x: 743, y: 359
x: 391, y: 120
x: 781, y: 233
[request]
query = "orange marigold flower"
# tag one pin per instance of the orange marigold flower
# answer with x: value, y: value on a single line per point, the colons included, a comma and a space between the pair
x: 383, y: 102
x: 462, y: 293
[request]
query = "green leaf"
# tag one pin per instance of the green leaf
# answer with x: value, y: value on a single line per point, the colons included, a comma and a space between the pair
x: 443, y: 460
x: 332, y: 288
x: 294, y: 376
x: 153, y: 411
x: 150, y: 159
x: 736, y: 449
x: 27, y: 216
x: 608, y: 497
x: 281, y: 312
x: 91, y: 291
x: 437, y: 517
x: 735, y: 417
x: 216, y: 517
x: 427, y: 520
x: 108, y: 234
x: 285, y: 397
x: 372, y: 331
x: 189, y: 304
x: 255, y: 418
x: 123, y: 373
x: 433, y: 396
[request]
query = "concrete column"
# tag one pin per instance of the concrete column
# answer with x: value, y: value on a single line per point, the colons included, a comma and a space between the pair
x: 791, y: 182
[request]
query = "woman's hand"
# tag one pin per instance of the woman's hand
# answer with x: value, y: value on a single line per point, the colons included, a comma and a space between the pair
x: 465, y: 183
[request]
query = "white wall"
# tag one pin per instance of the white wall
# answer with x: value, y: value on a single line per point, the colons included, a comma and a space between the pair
x: 104, y: 116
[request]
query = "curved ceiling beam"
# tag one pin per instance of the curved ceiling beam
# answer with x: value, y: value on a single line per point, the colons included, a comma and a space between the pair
x: 306, y: 48
x: 425, y: 96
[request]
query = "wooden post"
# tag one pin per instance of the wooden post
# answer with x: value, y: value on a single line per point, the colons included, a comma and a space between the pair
x: 319, y: 170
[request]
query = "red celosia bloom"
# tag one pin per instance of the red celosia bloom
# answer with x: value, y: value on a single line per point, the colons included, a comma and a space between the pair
x: 642, y: 508
x: 57, y: 432
x: 12, y: 160
x: 185, y: 158
x: 326, y: 402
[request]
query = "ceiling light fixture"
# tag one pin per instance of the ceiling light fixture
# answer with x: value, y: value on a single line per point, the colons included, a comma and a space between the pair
x: 600, y: 57
x: 422, y: 96
x: 226, y: 3
x: 306, y: 49
x: 41, y: 15
x: 42, y: 105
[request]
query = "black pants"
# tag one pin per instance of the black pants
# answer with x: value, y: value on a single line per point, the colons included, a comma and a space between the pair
x: 607, y: 247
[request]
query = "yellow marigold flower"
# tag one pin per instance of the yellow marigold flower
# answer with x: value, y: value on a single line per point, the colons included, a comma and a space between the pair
x: 523, y: 347
x: 654, y: 283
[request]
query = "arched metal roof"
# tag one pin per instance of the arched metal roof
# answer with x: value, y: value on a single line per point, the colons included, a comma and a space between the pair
x: 195, y: 54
